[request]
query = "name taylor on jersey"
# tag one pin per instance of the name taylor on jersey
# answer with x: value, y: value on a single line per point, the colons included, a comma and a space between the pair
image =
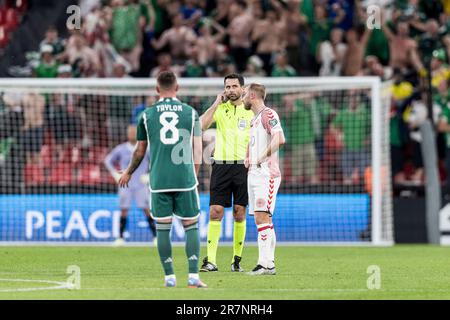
x: 169, y: 107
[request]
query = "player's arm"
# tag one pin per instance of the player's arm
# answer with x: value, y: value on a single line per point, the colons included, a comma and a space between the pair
x: 247, y: 158
x: 109, y: 162
x: 140, y: 151
x: 197, y: 144
x: 162, y: 41
x: 276, y: 142
x: 207, y: 118
x: 138, y: 155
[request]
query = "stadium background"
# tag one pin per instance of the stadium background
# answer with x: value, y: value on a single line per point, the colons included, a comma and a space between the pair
x: 52, y: 148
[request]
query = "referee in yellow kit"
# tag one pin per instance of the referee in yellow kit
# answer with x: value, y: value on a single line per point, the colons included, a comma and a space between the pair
x: 229, y: 175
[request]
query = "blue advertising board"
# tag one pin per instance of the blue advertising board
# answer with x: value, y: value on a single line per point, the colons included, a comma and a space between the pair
x: 95, y: 218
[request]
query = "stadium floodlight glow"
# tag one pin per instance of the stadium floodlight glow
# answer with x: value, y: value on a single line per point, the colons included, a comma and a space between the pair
x: 85, y: 117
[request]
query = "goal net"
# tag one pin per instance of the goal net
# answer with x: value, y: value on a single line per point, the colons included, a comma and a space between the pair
x: 56, y: 135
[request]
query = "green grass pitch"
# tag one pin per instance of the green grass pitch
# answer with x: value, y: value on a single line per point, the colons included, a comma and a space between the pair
x: 407, y: 272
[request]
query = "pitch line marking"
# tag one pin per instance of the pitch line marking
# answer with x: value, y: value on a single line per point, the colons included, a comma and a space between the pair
x: 58, y: 285
x: 312, y: 290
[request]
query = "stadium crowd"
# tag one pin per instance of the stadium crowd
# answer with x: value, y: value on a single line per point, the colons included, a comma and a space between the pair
x: 275, y: 38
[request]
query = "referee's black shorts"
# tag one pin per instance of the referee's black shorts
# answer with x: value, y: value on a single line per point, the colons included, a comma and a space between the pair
x: 228, y: 181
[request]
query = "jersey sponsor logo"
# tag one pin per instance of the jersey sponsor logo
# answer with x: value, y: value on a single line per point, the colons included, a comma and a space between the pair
x: 242, y: 124
x: 273, y: 122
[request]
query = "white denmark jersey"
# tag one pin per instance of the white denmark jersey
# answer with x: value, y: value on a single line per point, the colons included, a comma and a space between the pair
x: 263, y: 127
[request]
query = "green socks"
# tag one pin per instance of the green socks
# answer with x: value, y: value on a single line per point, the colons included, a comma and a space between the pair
x: 239, y: 238
x: 214, y: 229
x: 165, y: 247
x: 192, y: 247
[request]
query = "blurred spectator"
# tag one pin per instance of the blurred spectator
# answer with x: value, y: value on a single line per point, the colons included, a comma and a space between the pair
x: 439, y: 68
x: 353, y: 122
x: 373, y: 67
x: 307, y: 114
x: 193, y: 68
x: 97, y: 37
x: 254, y: 68
x: 63, y: 120
x: 147, y: 59
x: 225, y: 66
x: 281, y: 67
x: 321, y: 25
x: 207, y: 44
x: 239, y: 30
x: 344, y: 9
x: 180, y: 39
x: 415, y: 117
x: 332, y: 53
x: 52, y: 39
x: 401, y: 95
x: 121, y: 69
x: 402, y: 49
x: 443, y: 99
x: 125, y: 35
x: 295, y: 22
x: 47, y: 67
x: 88, y: 5
x: 221, y: 12
x: 191, y: 13
x: 270, y: 36
x: 81, y: 57
x: 119, y: 109
x: 354, y: 57
x: 11, y: 139
x: 165, y: 64
x: 139, y: 108
x: 33, y: 127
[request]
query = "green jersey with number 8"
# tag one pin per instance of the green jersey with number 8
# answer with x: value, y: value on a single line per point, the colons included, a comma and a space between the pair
x: 169, y: 126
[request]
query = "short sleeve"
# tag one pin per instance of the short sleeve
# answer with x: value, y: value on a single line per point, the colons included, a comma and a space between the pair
x: 197, y: 126
x: 271, y: 122
x: 141, y: 131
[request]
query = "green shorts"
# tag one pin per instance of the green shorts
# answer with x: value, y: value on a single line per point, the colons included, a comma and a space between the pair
x: 184, y: 205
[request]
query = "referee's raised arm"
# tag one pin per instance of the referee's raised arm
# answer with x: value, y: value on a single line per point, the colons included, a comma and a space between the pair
x: 207, y: 118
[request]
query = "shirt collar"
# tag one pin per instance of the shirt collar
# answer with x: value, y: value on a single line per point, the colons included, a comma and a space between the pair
x: 173, y: 98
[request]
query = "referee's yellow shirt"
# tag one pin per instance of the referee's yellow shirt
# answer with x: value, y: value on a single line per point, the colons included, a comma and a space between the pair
x: 233, y: 132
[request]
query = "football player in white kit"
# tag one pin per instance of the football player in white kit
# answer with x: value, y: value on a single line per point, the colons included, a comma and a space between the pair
x: 264, y: 176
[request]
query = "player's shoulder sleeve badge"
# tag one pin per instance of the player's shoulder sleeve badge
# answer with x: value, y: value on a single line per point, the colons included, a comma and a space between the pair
x: 273, y: 122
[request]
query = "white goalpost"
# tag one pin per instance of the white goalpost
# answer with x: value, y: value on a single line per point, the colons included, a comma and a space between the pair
x: 56, y: 133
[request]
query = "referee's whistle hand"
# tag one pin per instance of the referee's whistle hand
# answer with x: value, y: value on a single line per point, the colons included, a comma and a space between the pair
x: 247, y: 162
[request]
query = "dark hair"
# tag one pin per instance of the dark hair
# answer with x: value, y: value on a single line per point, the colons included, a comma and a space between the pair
x: 166, y: 80
x: 234, y: 76
x: 241, y: 3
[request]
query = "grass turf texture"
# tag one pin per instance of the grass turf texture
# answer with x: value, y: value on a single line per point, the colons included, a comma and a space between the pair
x: 407, y: 272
